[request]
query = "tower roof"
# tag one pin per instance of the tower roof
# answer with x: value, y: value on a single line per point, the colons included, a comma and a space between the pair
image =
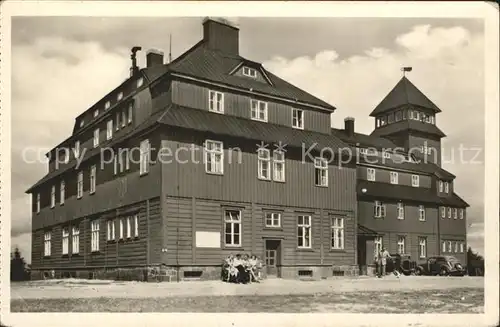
x: 404, y: 93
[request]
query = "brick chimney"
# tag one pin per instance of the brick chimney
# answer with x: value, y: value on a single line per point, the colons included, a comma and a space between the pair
x: 222, y: 35
x: 154, y: 57
x: 349, y: 126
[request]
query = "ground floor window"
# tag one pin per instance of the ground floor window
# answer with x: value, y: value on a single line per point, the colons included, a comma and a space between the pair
x: 422, y: 246
x: 401, y: 244
x: 75, y: 242
x: 47, y: 244
x: 337, y: 233
x: 65, y: 240
x: 304, y: 231
x: 94, y: 236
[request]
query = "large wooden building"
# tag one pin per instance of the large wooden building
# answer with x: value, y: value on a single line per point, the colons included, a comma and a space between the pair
x: 211, y: 154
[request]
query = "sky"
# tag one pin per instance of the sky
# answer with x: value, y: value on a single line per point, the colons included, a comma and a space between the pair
x: 63, y: 65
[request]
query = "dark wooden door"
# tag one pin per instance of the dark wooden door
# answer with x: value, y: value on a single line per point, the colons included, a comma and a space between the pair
x: 272, y: 257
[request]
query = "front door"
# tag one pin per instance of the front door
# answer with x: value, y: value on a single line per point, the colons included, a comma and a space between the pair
x: 272, y: 257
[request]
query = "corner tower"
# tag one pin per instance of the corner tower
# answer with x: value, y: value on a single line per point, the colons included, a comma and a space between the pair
x: 408, y: 118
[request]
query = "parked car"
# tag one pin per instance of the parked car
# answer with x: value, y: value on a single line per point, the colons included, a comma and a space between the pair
x: 402, y: 263
x: 441, y: 265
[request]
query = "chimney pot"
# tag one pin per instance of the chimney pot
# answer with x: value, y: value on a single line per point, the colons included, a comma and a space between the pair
x: 349, y: 126
x: 221, y: 34
x: 154, y: 57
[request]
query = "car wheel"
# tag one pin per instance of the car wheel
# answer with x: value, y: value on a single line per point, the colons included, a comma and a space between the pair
x: 443, y: 272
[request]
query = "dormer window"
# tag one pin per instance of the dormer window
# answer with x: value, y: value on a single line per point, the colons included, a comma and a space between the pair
x: 119, y: 96
x: 107, y: 105
x: 250, y: 72
x: 96, y: 113
x: 446, y: 187
x: 82, y: 122
x: 140, y: 82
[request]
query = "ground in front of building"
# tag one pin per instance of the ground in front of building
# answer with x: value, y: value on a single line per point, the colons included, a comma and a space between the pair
x: 410, y: 294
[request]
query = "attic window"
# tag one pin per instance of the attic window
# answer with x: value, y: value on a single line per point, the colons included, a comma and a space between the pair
x: 107, y: 105
x: 140, y: 81
x: 250, y: 72
x: 96, y: 113
x: 82, y: 122
x: 119, y: 96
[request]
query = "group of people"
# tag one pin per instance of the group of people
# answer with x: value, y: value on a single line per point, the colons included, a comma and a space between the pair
x: 241, y: 269
x: 381, y: 258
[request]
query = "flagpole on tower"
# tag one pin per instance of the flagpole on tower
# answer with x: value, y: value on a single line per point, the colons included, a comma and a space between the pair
x: 406, y: 69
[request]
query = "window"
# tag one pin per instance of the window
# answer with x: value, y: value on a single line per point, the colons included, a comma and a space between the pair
x: 92, y: 179
x: 383, y: 121
x: 119, y: 96
x: 455, y: 213
x: 416, y: 115
x: 377, y: 245
x: 371, y: 174
x: 446, y: 187
x: 214, y: 157
x: 443, y: 212
x: 82, y: 123
x: 109, y: 130
x: 77, y: 149
x: 118, y: 121
x: 264, y: 165
x: 456, y: 246
x: 94, y: 236
x: 250, y: 72
x: 216, y: 101
x: 390, y: 119
x: 394, y: 177
x: 75, y: 240
x: 461, y: 247
x: 66, y: 155
x: 96, y: 137
x: 62, y: 192
x: 321, y: 171
x: 37, y: 202
x: 258, y: 110
x: 398, y: 116
x: 337, y: 233
x: 422, y: 246
x: 297, y: 118
x: 449, y: 213
x: 449, y: 246
x: 121, y: 228
x: 440, y: 186
x: 401, y: 244
x: 124, y: 118
x: 461, y: 213
x: 415, y: 180
x: 421, y: 213
x: 129, y: 227
x: 410, y: 114
x: 136, y: 225
x: 115, y: 165
x: 363, y: 151
x: 53, y: 196
x: 386, y: 154
x: 443, y: 246
x: 96, y: 113
x: 107, y: 105
x: 47, y: 244
x: 273, y: 219
x: 111, y: 230
x: 140, y: 82
x: 144, y: 153
x: 279, y: 166
x: 401, y: 210
x: 79, y: 185
x: 130, y: 109
x: 304, y: 231
x: 232, y: 228
x: 379, y: 209
x: 65, y: 240
x: 404, y: 114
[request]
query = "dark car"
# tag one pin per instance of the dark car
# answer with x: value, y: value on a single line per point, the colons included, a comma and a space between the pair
x: 402, y: 263
x: 441, y: 265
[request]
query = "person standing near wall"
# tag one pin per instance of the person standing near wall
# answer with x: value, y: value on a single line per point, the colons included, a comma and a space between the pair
x: 382, y: 261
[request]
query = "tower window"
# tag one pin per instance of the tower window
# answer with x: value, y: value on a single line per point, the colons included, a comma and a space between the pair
x: 398, y: 116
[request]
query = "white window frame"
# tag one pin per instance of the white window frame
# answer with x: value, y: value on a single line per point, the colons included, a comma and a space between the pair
x: 446, y: 187
x: 94, y: 235
x: 370, y: 174
x: 337, y: 233
x: 461, y: 247
x: 443, y: 212
x: 321, y: 172
x: 62, y: 192
x: 377, y: 245
x: 109, y: 129
x: 47, y: 244
x: 124, y: 118
x: 450, y: 247
x: 394, y: 177
x: 273, y: 219
x: 96, y: 137
x: 96, y: 113
x: 306, y: 230
x: 214, y: 157
x: 279, y: 166
x: 121, y: 228
x: 233, y: 219
x: 249, y: 72
x: 443, y: 246
x: 462, y: 212
x: 37, y: 203
x: 256, y: 110
x: 401, y: 244
x: 298, y: 118
x: 264, y: 163
x: 118, y: 115
x: 422, y: 247
x: 401, y: 210
x: 145, y: 154
x: 415, y: 180
x: 440, y: 186
x: 107, y: 105
x: 53, y: 196
x: 379, y: 209
x: 77, y: 149
x: 82, y: 123
x: 119, y: 96
x: 421, y: 213
x: 136, y: 225
x: 129, y: 226
x: 75, y: 239
x: 455, y: 213
x: 93, y: 178
x: 386, y: 154
x: 216, y: 104
x: 110, y: 230
x: 449, y: 212
x: 130, y: 113
x: 65, y: 240
x: 455, y: 246
x: 140, y: 82
x: 79, y: 185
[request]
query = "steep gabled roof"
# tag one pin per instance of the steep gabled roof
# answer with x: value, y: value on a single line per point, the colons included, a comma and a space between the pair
x: 405, y: 125
x: 215, y: 66
x: 404, y: 93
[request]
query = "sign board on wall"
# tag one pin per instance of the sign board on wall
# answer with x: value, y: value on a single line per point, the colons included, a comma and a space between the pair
x: 207, y: 239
